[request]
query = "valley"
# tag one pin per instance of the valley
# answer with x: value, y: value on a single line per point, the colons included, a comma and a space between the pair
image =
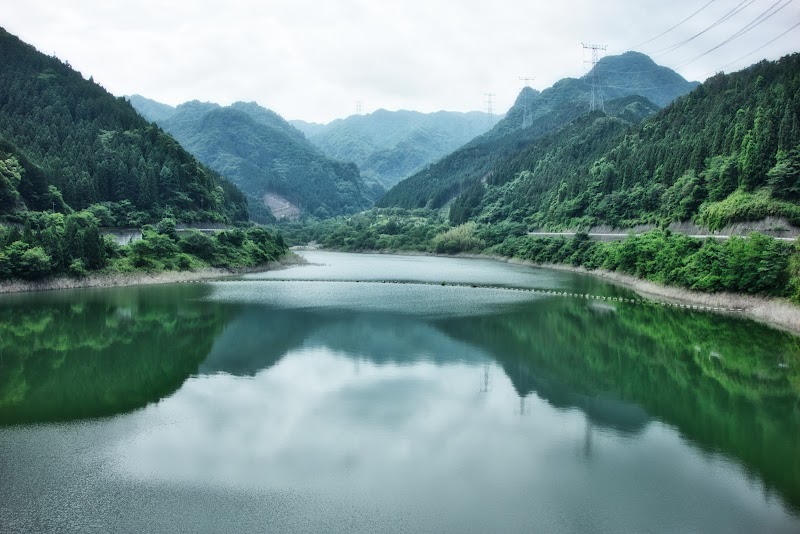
x: 231, y: 305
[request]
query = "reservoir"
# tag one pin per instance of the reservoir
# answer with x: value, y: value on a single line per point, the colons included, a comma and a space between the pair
x: 380, y: 393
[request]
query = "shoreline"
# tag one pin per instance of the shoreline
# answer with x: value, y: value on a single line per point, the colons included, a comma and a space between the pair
x: 141, y: 278
x: 776, y: 312
x: 773, y: 311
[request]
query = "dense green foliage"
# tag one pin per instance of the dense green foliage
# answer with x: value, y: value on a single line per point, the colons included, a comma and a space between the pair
x: 535, y: 114
x: 390, y: 145
x: 457, y: 239
x: 73, y: 159
x: 480, y: 159
x: 53, y: 243
x: 163, y: 248
x: 465, y: 206
x: 539, y: 171
x: 56, y: 244
x: 66, y: 143
x: 438, y: 183
x: 262, y: 153
x: 376, y: 229
x: 756, y: 264
x: 727, y: 152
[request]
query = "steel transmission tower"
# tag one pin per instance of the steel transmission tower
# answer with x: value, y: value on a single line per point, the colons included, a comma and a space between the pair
x: 527, y: 116
x: 486, y: 382
x: 489, y: 106
x: 359, y: 106
x: 597, y: 93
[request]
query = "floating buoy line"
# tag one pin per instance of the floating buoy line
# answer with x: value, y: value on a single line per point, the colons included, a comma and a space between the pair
x: 549, y: 292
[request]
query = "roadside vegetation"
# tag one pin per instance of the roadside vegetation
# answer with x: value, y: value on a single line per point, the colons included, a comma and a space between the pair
x: 755, y: 264
x: 727, y: 152
x: 51, y: 244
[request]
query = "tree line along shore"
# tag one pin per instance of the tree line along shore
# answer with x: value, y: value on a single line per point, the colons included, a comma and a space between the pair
x: 57, y: 250
x: 757, y: 275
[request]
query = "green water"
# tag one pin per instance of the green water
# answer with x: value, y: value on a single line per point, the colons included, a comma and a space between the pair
x: 322, y: 399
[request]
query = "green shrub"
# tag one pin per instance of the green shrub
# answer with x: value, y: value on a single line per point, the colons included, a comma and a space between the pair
x: 34, y: 264
x: 462, y: 238
x: 77, y: 268
x: 197, y: 243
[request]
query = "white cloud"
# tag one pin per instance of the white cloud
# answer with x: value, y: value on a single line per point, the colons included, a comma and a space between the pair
x: 312, y: 60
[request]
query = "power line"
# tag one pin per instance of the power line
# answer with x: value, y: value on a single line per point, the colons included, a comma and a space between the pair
x: 761, y: 47
x: 674, y: 27
x: 735, y: 11
x: 763, y: 17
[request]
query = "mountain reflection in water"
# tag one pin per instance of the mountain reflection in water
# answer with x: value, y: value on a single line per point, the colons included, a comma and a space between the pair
x: 729, y: 387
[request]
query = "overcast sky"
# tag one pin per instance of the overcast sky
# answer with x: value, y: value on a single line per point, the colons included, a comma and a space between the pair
x: 313, y: 60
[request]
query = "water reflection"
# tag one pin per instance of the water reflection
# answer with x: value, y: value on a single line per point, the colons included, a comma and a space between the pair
x: 258, y: 337
x: 78, y: 354
x: 448, y: 395
x: 729, y: 385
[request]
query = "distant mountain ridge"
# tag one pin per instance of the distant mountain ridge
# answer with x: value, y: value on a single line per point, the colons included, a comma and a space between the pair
x: 627, y: 74
x: 534, y: 114
x: 264, y: 155
x: 66, y: 144
x: 308, y: 128
x: 150, y: 109
x: 727, y: 152
x: 391, y: 145
x: 634, y: 73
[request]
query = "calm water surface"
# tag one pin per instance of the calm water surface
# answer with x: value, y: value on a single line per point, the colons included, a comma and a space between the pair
x: 322, y: 399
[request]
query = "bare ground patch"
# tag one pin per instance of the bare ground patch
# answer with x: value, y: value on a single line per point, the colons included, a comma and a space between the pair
x: 281, y: 208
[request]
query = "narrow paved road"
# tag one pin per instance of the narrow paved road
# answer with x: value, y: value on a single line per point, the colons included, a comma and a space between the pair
x: 620, y: 237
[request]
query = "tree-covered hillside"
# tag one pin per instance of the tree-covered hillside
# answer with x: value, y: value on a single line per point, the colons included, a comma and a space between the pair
x: 263, y: 154
x: 533, y: 115
x: 554, y: 157
x: 728, y: 151
x: 66, y: 143
x: 150, y: 109
x: 308, y: 128
x: 391, y: 145
x: 476, y: 162
x: 634, y: 73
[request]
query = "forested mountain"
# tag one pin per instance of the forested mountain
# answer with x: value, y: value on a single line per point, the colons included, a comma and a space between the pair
x: 728, y: 151
x: 308, y: 128
x: 554, y: 157
x: 390, y: 145
x: 634, y: 73
x: 150, y: 109
x: 535, y: 114
x: 66, y: 143
x: 265, y: 155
